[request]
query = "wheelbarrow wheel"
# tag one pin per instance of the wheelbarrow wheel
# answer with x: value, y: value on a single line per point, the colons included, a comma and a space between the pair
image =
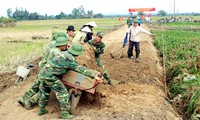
x: 74, y: 102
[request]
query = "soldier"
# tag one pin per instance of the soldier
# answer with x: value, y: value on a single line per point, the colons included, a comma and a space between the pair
x: 98, y: 47
x: 31, y: 96
x: 50, y: 46
x: 54, y: 34
x: 55, y: 67
x: 70, y: 32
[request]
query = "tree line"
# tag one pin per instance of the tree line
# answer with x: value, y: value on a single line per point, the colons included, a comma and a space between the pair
x: 77, y: 13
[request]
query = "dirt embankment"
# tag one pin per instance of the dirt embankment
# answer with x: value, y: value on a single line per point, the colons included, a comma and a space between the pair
x: 138, y: 92
x: 8, y: 79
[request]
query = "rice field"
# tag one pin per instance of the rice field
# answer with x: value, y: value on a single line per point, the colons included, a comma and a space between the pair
x: 17, y: 46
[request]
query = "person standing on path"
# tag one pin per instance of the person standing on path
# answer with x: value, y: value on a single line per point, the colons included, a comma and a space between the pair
x: 134, y: 39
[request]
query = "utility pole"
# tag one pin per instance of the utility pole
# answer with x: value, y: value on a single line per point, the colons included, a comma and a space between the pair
x: 174, y: 9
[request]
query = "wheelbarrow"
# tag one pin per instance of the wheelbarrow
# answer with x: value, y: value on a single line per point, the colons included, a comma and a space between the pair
x: 76, y: 84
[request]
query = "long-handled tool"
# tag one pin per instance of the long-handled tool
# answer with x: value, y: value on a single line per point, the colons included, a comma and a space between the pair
x: 120, y: 49
x: 115, y: 51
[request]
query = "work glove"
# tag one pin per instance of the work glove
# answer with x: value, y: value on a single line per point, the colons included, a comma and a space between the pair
x: 98, y: 79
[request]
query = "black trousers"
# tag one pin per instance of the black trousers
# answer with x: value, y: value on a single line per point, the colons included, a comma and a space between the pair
x: 130, y: 48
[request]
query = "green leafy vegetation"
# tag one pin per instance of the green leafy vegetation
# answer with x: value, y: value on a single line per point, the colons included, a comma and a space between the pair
x: 182, y: 55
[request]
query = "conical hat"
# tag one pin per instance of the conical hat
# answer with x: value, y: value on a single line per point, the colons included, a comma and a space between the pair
x: 86, y: 29
x: 92, y: 24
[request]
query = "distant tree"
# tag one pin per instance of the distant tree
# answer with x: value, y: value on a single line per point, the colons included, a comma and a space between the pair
x: 82, y: 11
x: 78, y: 12
x: 25, y: 15
x: 41, y: 17
x: 9, y: 12
x: 46, y: 16
x: 99, y: 15
x: 20, y: 14
x: 33, y: 16
x: 161, y: 13
x: 70, y: 16
x: 51, y: 17
x: 75, y: 13
x: 62, y: 15
x: 196, y: 14
x: 90, y: 13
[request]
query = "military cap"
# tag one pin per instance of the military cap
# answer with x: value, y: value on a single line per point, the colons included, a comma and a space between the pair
x: 100, y: 34
x: 135, y: 21
x: 60, y: 41
x: 61, y: 34
x: 76, y: 49
x: 54, y: 34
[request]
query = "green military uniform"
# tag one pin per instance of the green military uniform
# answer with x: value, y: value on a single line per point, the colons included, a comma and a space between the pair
x: 51, y: 45
x: 100, y: 50
x: 31, y: 96
x: 54, y: 34
x: 55, y: 67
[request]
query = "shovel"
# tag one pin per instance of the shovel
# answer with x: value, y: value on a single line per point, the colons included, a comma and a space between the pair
x: 120, y: 49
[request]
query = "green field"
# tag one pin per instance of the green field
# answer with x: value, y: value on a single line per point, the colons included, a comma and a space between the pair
x: 18, y: 47
x: 182, y: 55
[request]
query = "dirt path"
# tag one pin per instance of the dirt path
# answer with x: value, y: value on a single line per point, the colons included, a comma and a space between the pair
x: 140, y: 96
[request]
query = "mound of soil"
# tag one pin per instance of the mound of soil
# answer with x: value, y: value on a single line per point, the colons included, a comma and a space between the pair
x: 8, y: 79
x: 87, y: 59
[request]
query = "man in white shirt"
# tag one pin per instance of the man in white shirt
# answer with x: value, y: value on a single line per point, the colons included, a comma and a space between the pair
x: 134, y: 39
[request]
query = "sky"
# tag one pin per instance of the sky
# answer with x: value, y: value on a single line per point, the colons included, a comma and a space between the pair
x: 114, y: 7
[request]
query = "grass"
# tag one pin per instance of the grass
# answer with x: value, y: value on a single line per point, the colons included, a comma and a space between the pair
x: 17, y: 46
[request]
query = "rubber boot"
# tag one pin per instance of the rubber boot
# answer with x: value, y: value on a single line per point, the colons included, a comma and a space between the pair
x: 107, y: 77
x: 42, y: 111
x: 21, y: 101
x: 66, y: 115
x: 25, y: 103
x: 28, y: 105
x: 110, y: 82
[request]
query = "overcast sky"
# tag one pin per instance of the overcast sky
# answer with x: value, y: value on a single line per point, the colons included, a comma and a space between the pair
x: 54, y: 7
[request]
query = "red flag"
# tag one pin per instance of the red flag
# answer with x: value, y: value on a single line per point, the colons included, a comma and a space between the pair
x: 141, y: 9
